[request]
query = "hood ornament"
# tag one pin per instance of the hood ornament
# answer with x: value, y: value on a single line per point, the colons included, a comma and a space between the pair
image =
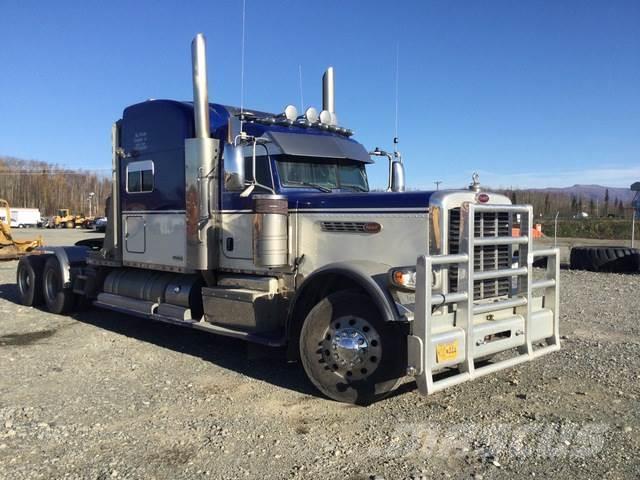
x: 475, y: 182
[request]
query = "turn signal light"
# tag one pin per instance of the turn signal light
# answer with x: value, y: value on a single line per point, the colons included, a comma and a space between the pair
x: 404, y: 278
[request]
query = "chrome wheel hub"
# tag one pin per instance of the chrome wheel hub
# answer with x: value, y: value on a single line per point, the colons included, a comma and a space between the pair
x: 351, y: 348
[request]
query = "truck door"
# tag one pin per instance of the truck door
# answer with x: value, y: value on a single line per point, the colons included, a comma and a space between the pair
x: 237, y: 213
x: 134, y: 234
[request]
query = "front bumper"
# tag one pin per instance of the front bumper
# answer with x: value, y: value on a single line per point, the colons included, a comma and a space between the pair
x: 514, y: 325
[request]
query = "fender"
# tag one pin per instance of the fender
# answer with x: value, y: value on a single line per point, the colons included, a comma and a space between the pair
x: 68, y: 257
x: 371, y: 276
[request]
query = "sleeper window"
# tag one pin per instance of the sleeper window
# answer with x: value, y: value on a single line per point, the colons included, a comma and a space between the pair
x: 140, y: 176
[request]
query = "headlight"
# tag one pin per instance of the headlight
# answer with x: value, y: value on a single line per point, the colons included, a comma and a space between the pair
x: 404, y: 277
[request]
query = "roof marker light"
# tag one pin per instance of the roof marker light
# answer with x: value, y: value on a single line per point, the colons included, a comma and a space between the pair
x: 325, y: 117
x: 291, y: 113
x: 311, y: 114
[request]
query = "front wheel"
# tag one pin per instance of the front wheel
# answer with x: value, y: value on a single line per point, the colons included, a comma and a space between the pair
x: 348, y: 352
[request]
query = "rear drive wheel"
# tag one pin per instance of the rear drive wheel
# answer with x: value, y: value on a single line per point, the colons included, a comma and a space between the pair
x: 29, y: 280
x: 58, y: 299
x: 348, y: 352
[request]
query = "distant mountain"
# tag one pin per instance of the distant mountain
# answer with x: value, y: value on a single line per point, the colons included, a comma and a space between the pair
x: 590, y: 192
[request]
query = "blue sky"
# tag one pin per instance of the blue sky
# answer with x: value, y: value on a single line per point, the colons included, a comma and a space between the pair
x: 536, y: 93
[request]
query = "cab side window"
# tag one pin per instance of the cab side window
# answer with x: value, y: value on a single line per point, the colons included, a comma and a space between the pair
x: 140, y: 176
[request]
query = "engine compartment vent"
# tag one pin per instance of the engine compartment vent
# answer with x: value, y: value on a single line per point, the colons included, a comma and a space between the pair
x: 350, y: 227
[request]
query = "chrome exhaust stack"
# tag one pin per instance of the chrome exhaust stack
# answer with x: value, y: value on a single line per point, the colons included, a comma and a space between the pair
x: 328, y: 95
x: 201, y: 174
x: 200, y: 89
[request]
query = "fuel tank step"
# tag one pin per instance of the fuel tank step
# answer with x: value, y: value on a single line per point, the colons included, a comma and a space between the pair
x: 247, y: 310
x: 122, y: 303
x: 250, y: 282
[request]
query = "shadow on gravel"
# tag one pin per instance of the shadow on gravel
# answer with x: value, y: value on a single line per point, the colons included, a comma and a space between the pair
x: 256, y: 361
x: 9, y: 291
x: 22, y: 339
x: 260, y: 362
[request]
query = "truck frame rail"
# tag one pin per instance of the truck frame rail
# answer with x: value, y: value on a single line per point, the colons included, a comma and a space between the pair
x: 475, y: 333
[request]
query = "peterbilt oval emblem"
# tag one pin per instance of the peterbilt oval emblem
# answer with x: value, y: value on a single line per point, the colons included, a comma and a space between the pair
x: 482, y: 197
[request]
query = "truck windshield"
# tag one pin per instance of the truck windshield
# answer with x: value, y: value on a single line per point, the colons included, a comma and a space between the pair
x: 322, y: 174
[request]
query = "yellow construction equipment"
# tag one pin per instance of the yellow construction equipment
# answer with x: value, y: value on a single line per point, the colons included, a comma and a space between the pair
x: 64, y: 219
x: 9, y: 247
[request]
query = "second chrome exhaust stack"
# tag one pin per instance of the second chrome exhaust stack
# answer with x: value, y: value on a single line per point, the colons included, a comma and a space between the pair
x: 200, y: 89
x: 328, y: 95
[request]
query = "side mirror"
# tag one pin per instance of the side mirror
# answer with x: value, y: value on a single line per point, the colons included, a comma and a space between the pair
x: 234, y: 175
x: 397, y: 177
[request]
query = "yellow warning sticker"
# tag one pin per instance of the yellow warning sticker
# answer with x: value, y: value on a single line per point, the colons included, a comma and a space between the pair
x: 446, y: 351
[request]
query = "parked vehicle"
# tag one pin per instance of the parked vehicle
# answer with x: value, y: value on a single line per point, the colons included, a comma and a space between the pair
x: 25, y: 217
x: 101, y: 224
x: 65, y: 219
x: 262, y: 227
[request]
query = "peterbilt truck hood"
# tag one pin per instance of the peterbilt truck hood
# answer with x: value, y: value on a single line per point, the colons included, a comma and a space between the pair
x: 367, y: 201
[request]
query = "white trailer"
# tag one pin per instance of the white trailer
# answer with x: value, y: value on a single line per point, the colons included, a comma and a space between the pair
x: 25, y: 217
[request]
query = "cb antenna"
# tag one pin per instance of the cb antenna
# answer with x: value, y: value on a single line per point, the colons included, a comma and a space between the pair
x: 300, y: 80
x: 396, y: 154
x: 242, y: 66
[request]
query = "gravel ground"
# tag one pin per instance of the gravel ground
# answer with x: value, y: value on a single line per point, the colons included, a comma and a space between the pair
x: 101, y: 395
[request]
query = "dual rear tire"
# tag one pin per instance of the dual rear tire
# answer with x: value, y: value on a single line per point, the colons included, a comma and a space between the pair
x: 39, y: 279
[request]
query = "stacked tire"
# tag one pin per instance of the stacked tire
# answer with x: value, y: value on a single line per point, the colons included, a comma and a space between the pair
x: 605, y: 259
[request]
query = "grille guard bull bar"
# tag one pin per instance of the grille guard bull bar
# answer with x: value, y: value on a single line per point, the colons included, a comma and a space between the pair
x: 524, y: 326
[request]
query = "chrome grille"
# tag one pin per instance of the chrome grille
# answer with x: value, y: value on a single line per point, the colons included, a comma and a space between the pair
x: 492, y: 257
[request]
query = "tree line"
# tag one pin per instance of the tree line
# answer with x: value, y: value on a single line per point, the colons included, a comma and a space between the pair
x: 547, y: 204
x: 49, y: 187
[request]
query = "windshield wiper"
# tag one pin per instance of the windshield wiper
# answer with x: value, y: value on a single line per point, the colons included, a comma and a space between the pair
x: 357, y: 188
x: 312, y: 185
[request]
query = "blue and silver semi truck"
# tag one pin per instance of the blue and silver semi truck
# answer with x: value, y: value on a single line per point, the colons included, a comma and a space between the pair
x: 263, y: 227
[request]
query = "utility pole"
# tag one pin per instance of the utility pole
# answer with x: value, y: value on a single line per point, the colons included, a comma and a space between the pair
x: 91, y: 195
x: 633, y: 228
x: 438, y: 182
x: 636, y: 208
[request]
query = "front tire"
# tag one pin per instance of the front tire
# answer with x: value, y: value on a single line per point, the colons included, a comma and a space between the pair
x: 29, y: 280
x: 57, y: 298
x: 348, y: 352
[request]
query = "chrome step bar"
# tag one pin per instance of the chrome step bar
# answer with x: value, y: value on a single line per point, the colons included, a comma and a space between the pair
x: 181, y: 316
x: 471, y: 335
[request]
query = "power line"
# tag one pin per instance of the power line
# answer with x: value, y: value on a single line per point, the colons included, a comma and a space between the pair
x: 51, y: 172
